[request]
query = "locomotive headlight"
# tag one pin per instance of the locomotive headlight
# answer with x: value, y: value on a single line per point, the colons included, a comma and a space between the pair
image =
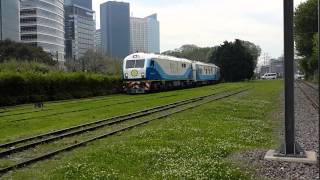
x: 142, y: 75
x: 126, y: 75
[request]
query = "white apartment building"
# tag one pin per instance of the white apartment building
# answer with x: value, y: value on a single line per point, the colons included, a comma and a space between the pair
x: 42, y: 25
x: 145, y: 34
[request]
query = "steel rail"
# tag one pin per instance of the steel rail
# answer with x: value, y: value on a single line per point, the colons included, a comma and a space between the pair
x: 313, y: 102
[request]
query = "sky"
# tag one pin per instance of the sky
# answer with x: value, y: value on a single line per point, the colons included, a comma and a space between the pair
x: 208, y: 23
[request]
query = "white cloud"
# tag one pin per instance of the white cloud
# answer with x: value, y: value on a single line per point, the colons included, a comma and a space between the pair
x: 210, y: 22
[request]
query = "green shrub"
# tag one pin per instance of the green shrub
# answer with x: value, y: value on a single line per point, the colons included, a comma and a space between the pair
x: 17, y: 88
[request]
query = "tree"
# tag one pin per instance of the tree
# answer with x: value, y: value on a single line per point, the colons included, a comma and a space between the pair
x: 253, y: 49
x: 235, y: 60
x: 95, y: 62
x: 23, y: 52
x: 306, y: 25
x: 192, y: 52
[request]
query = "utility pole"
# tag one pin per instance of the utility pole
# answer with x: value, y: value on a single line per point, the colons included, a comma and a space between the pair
x: 290, y: 147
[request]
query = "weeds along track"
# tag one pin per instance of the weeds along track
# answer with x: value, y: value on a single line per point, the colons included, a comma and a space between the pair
x: 29, y: 106
x: 114, y: 103
x: 23, y: 152
x: 310, y: 92
x: 27, y: 109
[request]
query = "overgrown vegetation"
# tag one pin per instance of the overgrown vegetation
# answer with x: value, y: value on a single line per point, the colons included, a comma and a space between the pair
x: 15, y: 66
x: 25, y: 82
x: 306, y: 36
x: 23, y: 52
x: 25, y: 87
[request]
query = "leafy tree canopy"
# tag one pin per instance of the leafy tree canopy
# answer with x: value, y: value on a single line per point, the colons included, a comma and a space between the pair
x: 306, y: 28
x: 306, y: 25
x: 192, y: 52
x: 23, y: 52
x: 236, y: 61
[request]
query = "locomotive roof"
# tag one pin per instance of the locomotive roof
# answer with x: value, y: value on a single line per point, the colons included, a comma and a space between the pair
x: 172, y: 58
x: 158, y: 56
x: 206, y: 64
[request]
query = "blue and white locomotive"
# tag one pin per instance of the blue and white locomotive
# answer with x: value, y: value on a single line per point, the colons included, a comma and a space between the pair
x: 151, y: 72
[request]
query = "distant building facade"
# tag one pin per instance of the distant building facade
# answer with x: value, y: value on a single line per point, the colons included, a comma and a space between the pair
x: 115, y: 28
x: 275, y: 66
x: 153, y: 34
x: 83, y: 3
x: 97, y: 40
x: 79, y: 30
x: 42, y: 24
x: 10, y: 20
x: 145, y: 34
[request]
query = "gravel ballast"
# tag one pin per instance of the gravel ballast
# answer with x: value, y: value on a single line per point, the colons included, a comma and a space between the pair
x: 307, y: 135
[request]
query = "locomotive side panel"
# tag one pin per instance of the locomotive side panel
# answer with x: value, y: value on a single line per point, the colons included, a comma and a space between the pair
x: 169, y: 70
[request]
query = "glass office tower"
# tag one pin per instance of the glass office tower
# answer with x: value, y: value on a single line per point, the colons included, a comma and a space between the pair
x: 42, y: 24
x: 83, y: 3
x: 115, y: 28
x: 97, y: 40
x: 80, y: 29
x: 9, y: 20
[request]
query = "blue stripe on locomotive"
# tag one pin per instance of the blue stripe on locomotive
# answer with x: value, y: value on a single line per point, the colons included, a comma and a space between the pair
x: 157, y: 73
x: 211, y: 77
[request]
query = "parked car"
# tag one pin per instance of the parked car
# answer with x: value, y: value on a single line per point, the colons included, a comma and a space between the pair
x: 299, y: 76
x: 269, y: 76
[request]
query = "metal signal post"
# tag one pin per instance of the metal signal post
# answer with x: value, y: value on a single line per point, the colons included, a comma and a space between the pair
x: 290, y: 147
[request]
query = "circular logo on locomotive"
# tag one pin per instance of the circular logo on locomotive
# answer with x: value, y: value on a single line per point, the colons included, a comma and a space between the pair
x: 134, y: 73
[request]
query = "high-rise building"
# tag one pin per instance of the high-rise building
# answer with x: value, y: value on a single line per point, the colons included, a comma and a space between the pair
x: 42, y: 24
x: 79, y: 30
x: 9, y: 20
x: 153, y: 34
x: 115, y: 28
x: 97, y: 40
x: 145, y: 34
x: 83, y: 3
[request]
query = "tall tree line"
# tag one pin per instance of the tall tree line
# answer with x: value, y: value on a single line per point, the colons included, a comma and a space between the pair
x: 306, y: 36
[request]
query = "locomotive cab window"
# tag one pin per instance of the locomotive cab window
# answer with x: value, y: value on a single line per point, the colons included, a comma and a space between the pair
x: 130, y: 64
x: 139, y: 63
x: 135, y: 63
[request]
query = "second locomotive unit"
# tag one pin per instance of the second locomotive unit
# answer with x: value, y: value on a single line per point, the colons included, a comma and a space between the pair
x: 151, y: 72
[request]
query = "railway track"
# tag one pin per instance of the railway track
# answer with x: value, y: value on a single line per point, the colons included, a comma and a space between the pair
x: 121, y: 102
x: 94, y: 131
x: 310, y: 92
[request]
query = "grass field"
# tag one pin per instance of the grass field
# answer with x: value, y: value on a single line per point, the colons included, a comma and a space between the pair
x: 189, y: 145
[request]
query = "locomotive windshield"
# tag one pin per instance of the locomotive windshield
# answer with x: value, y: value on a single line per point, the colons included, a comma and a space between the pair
x: 135, y: 63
